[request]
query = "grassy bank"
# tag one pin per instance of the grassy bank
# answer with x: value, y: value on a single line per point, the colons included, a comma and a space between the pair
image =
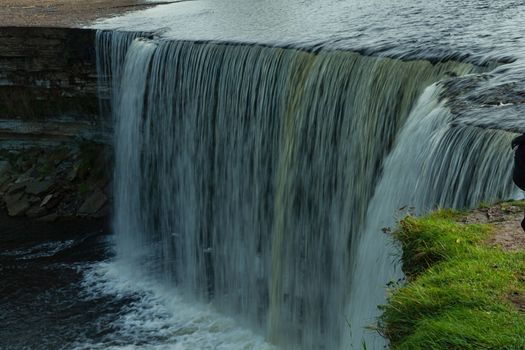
x: 461, y: 292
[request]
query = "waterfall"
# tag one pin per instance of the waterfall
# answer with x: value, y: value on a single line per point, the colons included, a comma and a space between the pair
x: 244, y: 174
x: 432, y: 165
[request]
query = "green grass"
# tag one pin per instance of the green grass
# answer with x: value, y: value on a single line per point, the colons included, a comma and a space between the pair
x: 516, y: 203
x: 458, y: 294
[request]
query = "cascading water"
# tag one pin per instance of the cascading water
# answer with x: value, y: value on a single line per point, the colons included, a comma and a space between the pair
x: 250, y: 177
x: 432, y: 164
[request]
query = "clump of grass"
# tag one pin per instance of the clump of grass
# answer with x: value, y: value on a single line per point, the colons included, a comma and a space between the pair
x: 437, y: 237
x: 516, y: 203
x: 457, y: 295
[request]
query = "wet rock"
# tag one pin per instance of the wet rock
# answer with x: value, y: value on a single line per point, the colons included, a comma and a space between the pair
x: 33, y: 173
x: 33, y: 199
x: 12, y: 197
x: 5, y: 167
x: 16, y: 204
x: 38, y: 188
x: 17, y: 187
x: 93, y: 203
x: 53, y: 181
x: 73, y: 174
x: 102, y: 183
x: 4, y: 182
x: 36, y: 212
x: 52, y: 201
x: 46, y: 200
x: 64, y: 167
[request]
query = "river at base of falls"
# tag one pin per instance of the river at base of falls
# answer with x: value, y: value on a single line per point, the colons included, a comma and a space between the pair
x: 60, y: 288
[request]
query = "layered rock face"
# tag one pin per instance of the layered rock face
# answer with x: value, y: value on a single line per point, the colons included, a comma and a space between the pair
x: 48, y: 86
x: 54, y: 154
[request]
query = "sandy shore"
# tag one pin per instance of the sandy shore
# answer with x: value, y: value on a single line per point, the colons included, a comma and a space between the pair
x: 63, y: 13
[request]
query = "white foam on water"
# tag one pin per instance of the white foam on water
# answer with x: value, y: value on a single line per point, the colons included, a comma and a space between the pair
x: 42, y: 250
x: 158, y: 318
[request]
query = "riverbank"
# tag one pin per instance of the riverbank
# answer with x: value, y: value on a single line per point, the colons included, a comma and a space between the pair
x: 465, y: 285
x: 65, y: 13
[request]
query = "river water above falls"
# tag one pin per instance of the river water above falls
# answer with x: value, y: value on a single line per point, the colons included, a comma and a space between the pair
x: 261, y: 147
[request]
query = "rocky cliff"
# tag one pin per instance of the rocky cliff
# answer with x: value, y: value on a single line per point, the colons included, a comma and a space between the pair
x: 48, y: 86
x: 54, y: 154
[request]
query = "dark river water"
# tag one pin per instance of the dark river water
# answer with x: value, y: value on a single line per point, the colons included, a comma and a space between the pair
x: 43, y: 304
x: 60, y: 288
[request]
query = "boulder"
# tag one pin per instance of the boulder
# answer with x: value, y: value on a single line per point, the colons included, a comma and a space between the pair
x: 51, y: 200
x: 4, y: 182
x: 5, y: 167
x: 10, y: 198
x: 17, y: 204
x: 73, y: 174
x: 38, y: 188
x: 93, y: 203
x: 17, y: 187
x: 33, y: 199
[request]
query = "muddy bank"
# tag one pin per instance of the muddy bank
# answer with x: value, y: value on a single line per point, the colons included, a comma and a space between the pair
x: 505, y: 219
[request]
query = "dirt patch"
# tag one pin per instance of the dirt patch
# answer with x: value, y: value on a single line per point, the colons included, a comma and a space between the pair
x: 64, y: 13
x: 518, y: 300
x: 506, y: 219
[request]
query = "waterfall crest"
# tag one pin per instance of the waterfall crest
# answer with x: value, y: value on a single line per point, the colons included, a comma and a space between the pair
x: 244, y: 173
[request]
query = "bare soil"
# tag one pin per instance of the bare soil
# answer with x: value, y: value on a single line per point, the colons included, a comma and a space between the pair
x: 64, y: 13
x: 506, y: 218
